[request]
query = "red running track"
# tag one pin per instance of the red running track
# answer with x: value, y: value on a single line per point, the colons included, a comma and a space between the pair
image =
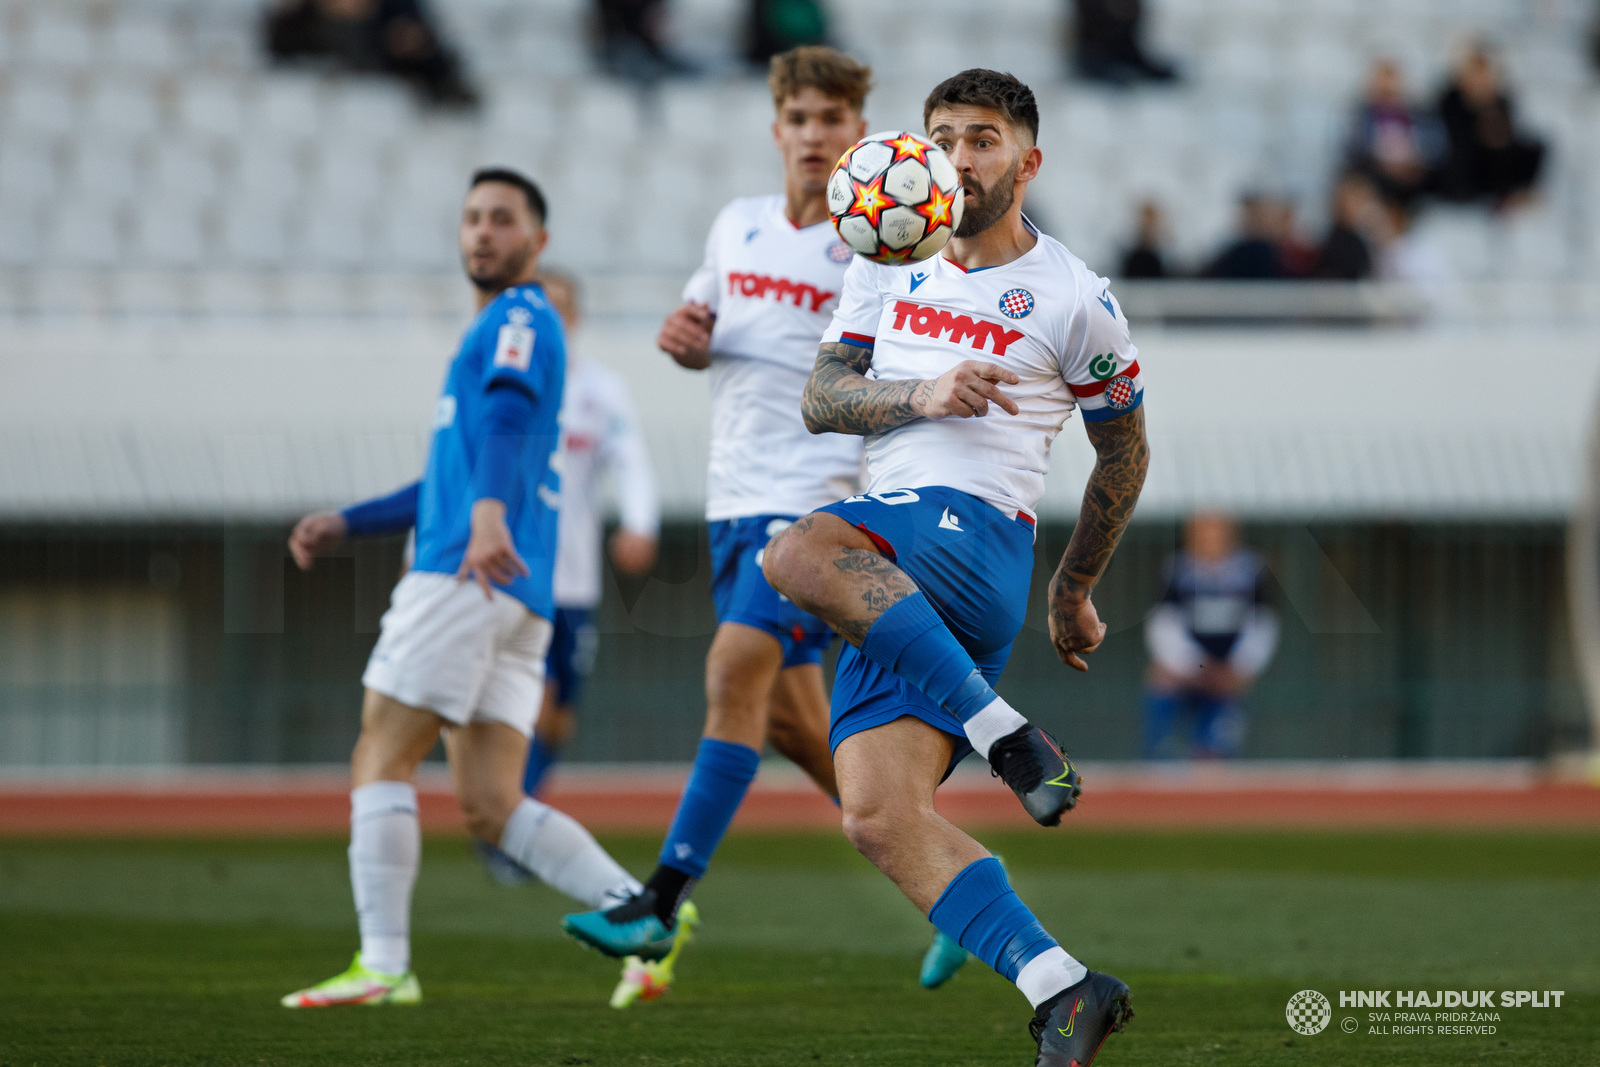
x: 614, y: 798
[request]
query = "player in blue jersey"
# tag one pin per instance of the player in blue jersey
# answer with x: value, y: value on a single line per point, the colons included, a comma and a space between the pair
x: 463, y: 644
x: 976, y: 357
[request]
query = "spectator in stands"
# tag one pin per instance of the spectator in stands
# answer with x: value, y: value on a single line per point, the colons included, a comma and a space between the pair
x: 389, y: 36
x: 1406, y: 255
x: 1297, y: 257
x: 1146, y: 258
x: 1107, y: 44
x: 633, y: 41
x: 1395, y: 145
x: 1254, y: 253
x: 774, y: 26
x: 1211, y: 636
x: 1345, y: 254
x: 1488, y: 159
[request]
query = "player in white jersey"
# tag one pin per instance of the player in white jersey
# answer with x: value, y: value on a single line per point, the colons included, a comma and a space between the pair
x: 599, y: 438
x: 977, y: 356
x: 753, y: 314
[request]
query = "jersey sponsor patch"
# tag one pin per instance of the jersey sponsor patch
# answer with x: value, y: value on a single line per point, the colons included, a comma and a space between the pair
x: 515, y: 348
x: 1016, y: 303
x: 759, y: 286
x: 936, y: 322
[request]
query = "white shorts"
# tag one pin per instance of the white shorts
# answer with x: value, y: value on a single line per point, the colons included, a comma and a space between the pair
x: 447, y: 648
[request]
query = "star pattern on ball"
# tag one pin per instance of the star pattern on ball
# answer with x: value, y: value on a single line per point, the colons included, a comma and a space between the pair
x: 908, y: 147
x: 890, y: 258
x: 870, y: 200
x: 937, y: 208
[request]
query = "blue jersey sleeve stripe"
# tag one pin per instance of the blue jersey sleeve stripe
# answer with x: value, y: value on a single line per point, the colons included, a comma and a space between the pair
x: 1108, y: 412
x: 858, y: 340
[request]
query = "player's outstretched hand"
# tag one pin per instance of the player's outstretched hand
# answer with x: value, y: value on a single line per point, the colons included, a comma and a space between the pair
x: 315, y: 534
x: 1075, y: 629
x: 967, y: 389
x: 491, y: 557
x: 686, y: 336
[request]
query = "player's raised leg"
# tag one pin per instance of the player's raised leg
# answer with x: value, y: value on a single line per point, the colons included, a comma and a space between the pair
x: 888, y: 775
x: 837, y: 571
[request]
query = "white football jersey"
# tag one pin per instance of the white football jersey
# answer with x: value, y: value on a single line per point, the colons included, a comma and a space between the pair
x: 1044, y: 316
x: 773, y: 288
x: 599, y: 436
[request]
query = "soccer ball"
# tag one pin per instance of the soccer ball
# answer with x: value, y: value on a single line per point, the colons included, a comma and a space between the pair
x: 895, y: 198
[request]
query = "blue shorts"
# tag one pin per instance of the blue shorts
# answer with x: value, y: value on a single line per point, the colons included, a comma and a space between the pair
x: 571, y: 657
x: 971, y: 562
x: 741, y: 593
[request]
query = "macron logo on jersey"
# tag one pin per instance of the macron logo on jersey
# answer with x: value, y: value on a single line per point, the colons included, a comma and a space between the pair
x: 935, y: 322
x: 781, y: 289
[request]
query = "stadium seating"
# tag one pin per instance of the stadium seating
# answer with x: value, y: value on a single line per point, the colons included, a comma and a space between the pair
x: 140, y: 135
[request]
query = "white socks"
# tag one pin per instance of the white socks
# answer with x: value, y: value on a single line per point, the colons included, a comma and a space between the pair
x: 385, y: 850
x: 991, y: 724
x: 1049, y: 973
x: 565, y: 856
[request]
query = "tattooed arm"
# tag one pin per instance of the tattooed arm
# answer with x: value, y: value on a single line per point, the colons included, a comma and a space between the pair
x: 840, y: 398
x: 1108, y: 500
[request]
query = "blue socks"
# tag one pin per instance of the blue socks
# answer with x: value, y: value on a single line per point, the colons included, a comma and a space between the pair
x: 981, y: 911
x: 722, y: 773
x: 911, y: 641
x: 540, y: 759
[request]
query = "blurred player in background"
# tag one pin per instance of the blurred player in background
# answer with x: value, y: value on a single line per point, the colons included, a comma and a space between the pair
x: 927, y: 575
x: 599, y: 437
x: 753, y: 314
x: 1211, y: 636
x: 463, y: 644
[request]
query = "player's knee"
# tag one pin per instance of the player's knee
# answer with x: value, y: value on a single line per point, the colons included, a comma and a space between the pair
x: 869, y: 828
x: 486, y: 813
x: 780, y: 558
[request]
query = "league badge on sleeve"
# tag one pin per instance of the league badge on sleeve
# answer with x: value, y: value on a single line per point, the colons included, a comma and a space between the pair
x: 1120, y: 393
x: 515, y: 349
x: 1016, y: 303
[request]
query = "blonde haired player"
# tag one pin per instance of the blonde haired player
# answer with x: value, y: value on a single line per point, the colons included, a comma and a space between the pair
x: 752, y: 315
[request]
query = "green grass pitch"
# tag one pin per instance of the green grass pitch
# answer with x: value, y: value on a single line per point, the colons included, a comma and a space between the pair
x: 175, y: 952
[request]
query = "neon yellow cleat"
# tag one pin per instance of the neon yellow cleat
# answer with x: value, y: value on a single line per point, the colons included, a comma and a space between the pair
x: 648, y: 979
x: 359, y: 985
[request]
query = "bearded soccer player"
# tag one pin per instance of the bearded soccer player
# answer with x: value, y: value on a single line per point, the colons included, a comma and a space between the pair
x: 926, y: 576
x: 753, y: 314
x: 463, y: 644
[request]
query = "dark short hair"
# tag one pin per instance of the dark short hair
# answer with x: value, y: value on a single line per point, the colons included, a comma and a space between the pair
x: 510, y: 177
x: 991, y: 89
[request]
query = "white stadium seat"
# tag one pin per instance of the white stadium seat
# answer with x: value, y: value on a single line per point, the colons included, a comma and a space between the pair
x: 170, y: 233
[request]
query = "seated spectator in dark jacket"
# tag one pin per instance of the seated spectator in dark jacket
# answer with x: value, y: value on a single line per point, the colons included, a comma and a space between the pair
x: 775, y: 26
x: 1145, y: 259
x: 1488, y: 158
x: 633, y: 41
x: 1254, y: 254
x: 389, y: 36
x: 1346, y: 252
x: 1395, y: 145
x: 1108, y: 49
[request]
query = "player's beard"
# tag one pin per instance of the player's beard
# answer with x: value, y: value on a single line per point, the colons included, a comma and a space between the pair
x: 982, y: 208
x: 508, y: 270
